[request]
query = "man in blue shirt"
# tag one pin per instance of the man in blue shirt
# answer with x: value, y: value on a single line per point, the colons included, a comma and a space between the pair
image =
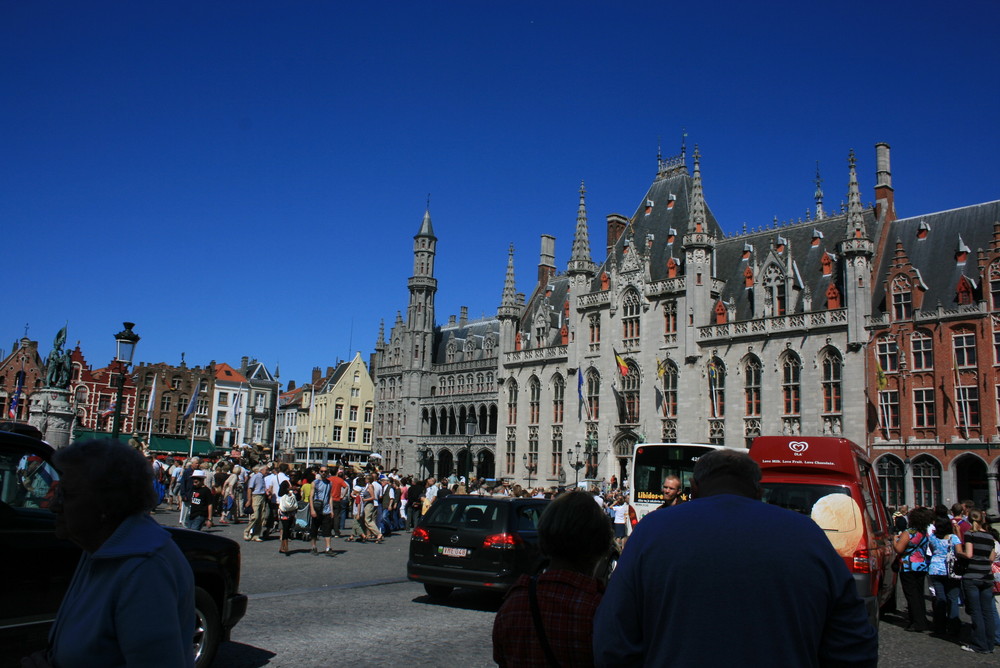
x: 258, y: 495
x: 727, y: 580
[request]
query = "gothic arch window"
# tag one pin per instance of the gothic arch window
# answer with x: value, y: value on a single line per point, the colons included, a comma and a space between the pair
x: 964, y: 291
x: 631, y: 312
x: 720, y: 313
x: 534, y: 400
x: 593, y: 395
x: 452, y: 350
x: 716, y: 388
x: 752, y: 372
x: 558, y: 398
x: 451, y: 385
x: 791, y: 389
x: 595, y: 331
x: 512, y: 402
x: 833, y: 366
x: 774, y: 284
x: 926, y: 481
x: 670, y: 317
x: 889, y: 471
x: 461, y: 384
x: 902, y: 299
x: 488, y: 345
x: 489, y: 381
x: 631, y: 383
x: 669, y: 378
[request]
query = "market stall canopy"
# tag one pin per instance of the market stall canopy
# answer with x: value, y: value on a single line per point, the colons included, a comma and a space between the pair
x: 162, y: 444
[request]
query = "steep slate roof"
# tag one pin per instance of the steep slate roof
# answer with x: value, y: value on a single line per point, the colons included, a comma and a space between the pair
x: 554, y: 301
x: 805, y: 257
x: 934, y: 256
x: 659, y: 222
x: 478, y: 330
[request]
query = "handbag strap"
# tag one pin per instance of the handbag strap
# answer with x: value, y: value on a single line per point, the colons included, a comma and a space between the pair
x: 536, y: 614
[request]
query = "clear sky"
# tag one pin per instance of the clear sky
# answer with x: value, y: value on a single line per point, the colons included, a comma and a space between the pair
x: 245, y: 178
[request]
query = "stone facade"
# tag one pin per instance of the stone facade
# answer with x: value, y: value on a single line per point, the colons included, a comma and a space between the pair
x: 24, y: 358
x: 160, y: 410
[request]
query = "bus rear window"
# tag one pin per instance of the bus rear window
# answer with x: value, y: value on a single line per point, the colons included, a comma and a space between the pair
x: 830, y: 506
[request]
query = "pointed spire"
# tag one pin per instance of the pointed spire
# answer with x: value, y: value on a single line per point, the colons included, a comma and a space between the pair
x: 508, y: 302
x: 855, y: 220
x: 697, y: 206
x: 426, y: 229
x: 819, y: 195
x: 380, y: 343
x: 579, y: 260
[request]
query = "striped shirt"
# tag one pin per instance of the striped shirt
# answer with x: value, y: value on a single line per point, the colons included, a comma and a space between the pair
x: 982, y: 547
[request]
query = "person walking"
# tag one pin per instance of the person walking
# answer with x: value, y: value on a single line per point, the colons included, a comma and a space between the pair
x: 288, y: 504
x: 258, y: 495
x: 321, y: 511
x: 977, y: 583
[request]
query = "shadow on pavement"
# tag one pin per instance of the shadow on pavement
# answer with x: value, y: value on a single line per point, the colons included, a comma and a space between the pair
x: 238, y: 655
x: 466, y: 599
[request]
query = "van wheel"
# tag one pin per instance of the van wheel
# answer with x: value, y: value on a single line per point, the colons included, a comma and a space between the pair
x: 438, y: 592
x: 207, y: 628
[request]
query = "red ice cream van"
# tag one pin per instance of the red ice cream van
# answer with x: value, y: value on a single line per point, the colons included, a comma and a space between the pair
x: 831, y: 480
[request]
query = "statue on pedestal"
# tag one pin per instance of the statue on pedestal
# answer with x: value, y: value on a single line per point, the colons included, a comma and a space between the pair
x: 58, y: 366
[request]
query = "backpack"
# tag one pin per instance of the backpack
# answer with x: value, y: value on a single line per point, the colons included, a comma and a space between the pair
x: 319, y: 499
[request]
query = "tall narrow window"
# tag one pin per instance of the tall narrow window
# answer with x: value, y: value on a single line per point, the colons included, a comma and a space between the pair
x: 926, y: 482
x: 670, y: 317
x: 890, y: 480
x: 631, y: 310
x: 965, y: 349
x: 902, y: 305
x: 751, y: 386
x: 510, y: 456
x: 512, y: 402
x: 534, y: 400
x: 594, y: 324
x: 557, y: 451
x: 922, y: 347
x: 888, y: 405
x: 995, y: 285
x: 716, y: 388
x: 558, y: 399
x: 593, y: 395
x: 923, y: 407
x: 967, y: 400
x: 887, y: 354
x: 790, y: 388
x: 669, y: 390
x: 832, y: 367
x: 630, y: 393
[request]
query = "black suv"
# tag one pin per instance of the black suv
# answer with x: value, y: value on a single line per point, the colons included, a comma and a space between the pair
x: 40, y: 566
x: 482, y: 542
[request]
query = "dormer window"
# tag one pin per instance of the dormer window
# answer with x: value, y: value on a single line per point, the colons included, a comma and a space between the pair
x: 649, y: 206
x: 672, y: 268
x: 817, y: 237
x: 826, y: 264
x: 902, y: 299
x: 720, y: 313
x: 671, y: 200
x: 671, y: 236
x: 964, y: 294
x: 748, y: 277
x: 923, y: 230
x: 832, y: 297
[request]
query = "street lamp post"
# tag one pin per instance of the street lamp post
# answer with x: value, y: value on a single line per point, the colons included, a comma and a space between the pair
x: 577, y: 465
x: 530, y: 465
x: 470, y: 431
x: 125, y: 341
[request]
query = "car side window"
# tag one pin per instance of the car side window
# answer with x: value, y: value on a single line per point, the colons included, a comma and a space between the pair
x: 527, y: 518
x: 26, y: 480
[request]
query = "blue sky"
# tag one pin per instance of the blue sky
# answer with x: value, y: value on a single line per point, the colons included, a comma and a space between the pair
x: 245, y: 178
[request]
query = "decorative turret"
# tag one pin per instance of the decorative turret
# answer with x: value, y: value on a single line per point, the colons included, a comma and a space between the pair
x: 579, y: 260
x: 697, y: 207
x: 858, y: 250
x: 509, y: 306
x: 699, y: 252
x: 885, y: 206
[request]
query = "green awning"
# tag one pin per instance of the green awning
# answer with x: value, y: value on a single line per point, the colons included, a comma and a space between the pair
x: 174, y: 445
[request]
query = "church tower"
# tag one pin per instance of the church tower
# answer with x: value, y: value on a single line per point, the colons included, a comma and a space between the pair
x: 423, y: 287
x: 699, y: 249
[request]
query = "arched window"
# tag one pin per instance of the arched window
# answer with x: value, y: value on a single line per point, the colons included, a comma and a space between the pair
x: 889, y: 471
x: 774, y: 284
x: 752, y: 370
x: 791, y: 390
x: 631, y: 310
x: 716, y: 388
x: 593, y: 395
x: 534, y: 400
x: 558, y: 398
x: 670, y: 317
x: 512, y: 402
x: 669, y: 407
x: 926, y: 481
x: 630, y: 393
x: 833, y: 366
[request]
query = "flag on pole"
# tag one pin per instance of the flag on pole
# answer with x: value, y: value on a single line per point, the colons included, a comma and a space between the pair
x: 661, y: 368
x: 579, y: 393
x: 192, y: 405
x: 234, y: 415
x: 16, y: 400
x: 713, y: 379
x: 622, y: 367
x: 883, y: 382
x: 152, y: 400
x: 110, y: 409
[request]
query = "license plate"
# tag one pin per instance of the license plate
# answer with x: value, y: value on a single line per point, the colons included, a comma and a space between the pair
x: 453, y: 551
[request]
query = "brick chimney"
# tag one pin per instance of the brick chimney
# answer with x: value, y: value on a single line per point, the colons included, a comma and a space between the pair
x: 291, y: 386
x: 463, y: 315
x: 616, y: 226
x: 317, y: 374
x: 885, y: 207
x: 547, y: 259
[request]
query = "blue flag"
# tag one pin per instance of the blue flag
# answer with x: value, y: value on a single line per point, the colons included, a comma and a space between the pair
x: 191, y: 406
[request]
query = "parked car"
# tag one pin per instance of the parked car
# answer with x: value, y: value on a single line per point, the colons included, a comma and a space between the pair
x: 479, y: 542
x: 40, y: 566
x: 831, y: 480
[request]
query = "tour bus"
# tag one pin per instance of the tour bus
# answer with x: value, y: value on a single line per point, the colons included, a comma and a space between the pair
x: 652, y: 463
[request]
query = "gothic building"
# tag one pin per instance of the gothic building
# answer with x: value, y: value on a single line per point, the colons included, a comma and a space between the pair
x: 682, y: 333
x: 435, y: 385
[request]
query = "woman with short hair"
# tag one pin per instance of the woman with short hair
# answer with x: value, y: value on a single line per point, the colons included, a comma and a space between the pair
x: 977, y: 583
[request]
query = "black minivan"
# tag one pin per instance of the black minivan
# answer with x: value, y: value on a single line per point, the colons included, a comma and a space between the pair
x: 480, y: 542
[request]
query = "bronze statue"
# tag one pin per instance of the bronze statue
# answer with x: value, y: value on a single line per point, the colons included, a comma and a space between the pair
x: 59, y: 365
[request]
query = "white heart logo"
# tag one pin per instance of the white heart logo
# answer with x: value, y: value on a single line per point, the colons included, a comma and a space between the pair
x: 798, y: 446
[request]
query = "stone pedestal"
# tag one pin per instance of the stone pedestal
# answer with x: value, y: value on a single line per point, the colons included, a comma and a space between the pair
x: 52, y: 413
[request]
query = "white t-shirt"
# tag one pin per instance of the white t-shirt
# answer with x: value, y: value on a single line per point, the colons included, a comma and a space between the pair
x: 599, y: 500
x: 620, y: 512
